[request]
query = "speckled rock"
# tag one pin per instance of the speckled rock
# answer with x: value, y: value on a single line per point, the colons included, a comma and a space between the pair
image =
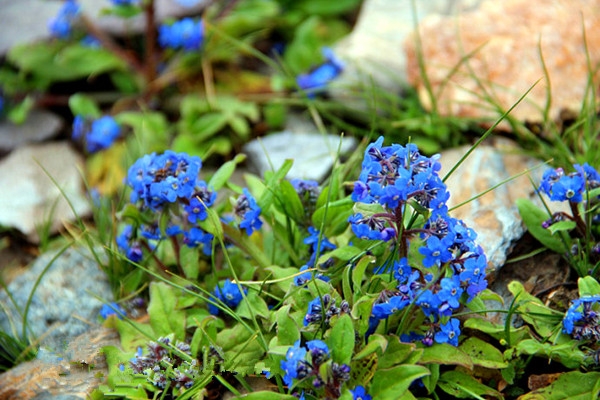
x: 35, y: 180
x: 39, y: 125
x: 313, y: 153
x: 64, y: 304
x: 68, y: 375
x: 494, y: 216
x: 373, y: 52
x: 506, y: 41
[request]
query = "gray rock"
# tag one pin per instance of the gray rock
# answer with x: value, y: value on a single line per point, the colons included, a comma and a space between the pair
x: 18, y: 24
x: 36, y: 180
x: 65, y: 302
x: 39, y: 125
x: 118, y: 26
x: 374, y: 53
x: 494, y: 216
x: 313, y: 153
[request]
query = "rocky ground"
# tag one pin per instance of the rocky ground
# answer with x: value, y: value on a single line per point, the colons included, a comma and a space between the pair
x: 64, y: 307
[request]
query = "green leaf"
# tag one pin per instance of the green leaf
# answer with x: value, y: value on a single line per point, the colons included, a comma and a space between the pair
x: 165, y: 318
x: 224, y: 173
x: 445, y: 354
x: 572, y: 385
x: 290, y: 201
x: 396, y: 352
x: 83, y: 105
x: 134, y: 334
x: 394, y: 382
x: 483, y: 353
x: 377, y: 345
x: 562, y: 226
x: 207, y: 125
x: 533, y: 218
x: 253, y: 305
x: 533, y: 311
x: 464, y: 386
x: 588, y: 286
x: 266, y: 395
x: 498, y: 331
x: 341, y: 340
x: 334, y: 216
x: 18, y: 113
x: 287, y: 329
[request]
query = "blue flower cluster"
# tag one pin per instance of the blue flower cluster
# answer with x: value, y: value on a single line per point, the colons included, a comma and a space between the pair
x: 569, y: 187
x: 319, y: 77
x: 98, y: 134
x: 248, y: 210
x: 125, y: 2
x: 313, y: 364
x: 582, y: 319
x: 186, y: 34
x: 393, y: 178
x: 61, y: 25
x: 167, y: 182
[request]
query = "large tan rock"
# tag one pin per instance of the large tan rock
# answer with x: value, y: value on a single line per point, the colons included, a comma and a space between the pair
x: 508, y: 40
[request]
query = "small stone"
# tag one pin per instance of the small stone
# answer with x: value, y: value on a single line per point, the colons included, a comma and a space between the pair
x: 35, y: 181
x: 494, y: 216
x: 64, y: 303
x: 39, y: 126
x: 373, y: 52
x: 314, y: 154
x: 18, y: 25
x: 506, y: 41
x: 72, y: 374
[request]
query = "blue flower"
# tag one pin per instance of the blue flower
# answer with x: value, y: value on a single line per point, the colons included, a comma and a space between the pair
x: 200, y: 201
x: 360, y: 393
x: 561, y: 187
x: 390, y: 307
x: 449, y: 332
x: 429, y: 303
x: 112, y: 309
x: 319, y: 77
x: 127, y: 245
x: 61, y: 25
x: 436, y: 252
x: 294, y: 366
x: 228, y: 293
x: 582, y: 319
x: 197, y: 237
x: 319, y: 352
x: 186, y: 34
x: 313, y: 240
x: 247, y: 209
x: 98, y: 135
x: 124, y: 2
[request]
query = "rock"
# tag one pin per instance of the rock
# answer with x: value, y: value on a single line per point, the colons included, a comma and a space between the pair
x: 65, y: 302
x: 38, y: 126
x: 70, y: 375
x: 506, y: 42
x: 18, y: 25
x: 114, y: 25
x: 374, y: 53
x: 494, y: 216
x: 313, y: 153
x: 32, y: 178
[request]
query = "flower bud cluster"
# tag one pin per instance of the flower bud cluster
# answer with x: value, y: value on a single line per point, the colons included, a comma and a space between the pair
x: 582, y: 319
x: 166, y: 365
x: 322, y: 309
x: 306, y: 364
